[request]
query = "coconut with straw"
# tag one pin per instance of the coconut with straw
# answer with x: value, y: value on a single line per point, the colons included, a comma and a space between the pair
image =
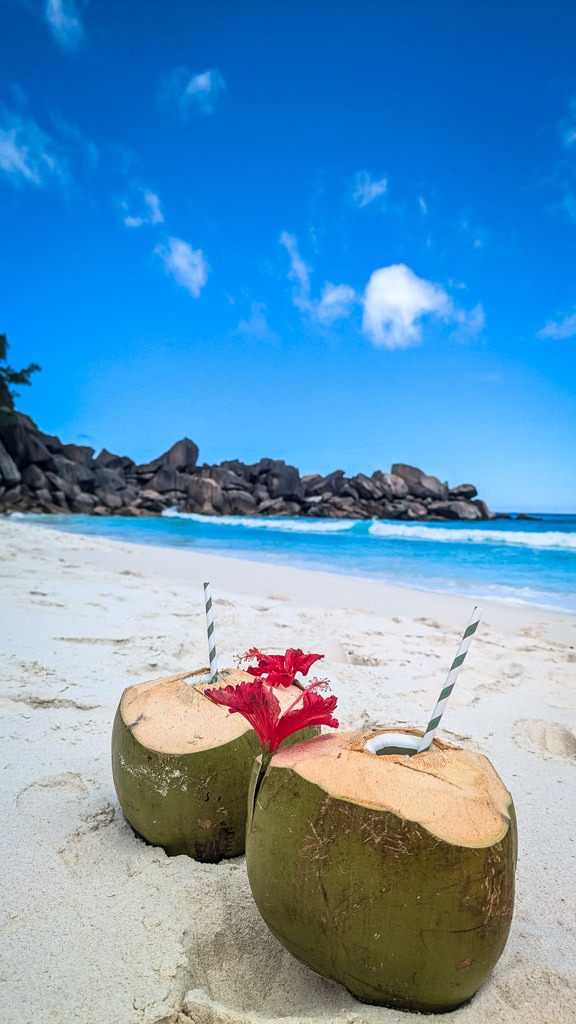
x: 393, y: 875
x: 181, y: 765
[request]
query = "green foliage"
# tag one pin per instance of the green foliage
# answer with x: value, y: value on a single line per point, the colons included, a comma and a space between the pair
x: 9, y: 377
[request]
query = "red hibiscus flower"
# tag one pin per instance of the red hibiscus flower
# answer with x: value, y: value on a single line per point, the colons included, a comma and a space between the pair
x: 256, y: 702
x: 279, y: 669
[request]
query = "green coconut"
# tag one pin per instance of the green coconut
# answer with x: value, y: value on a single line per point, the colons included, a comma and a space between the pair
x: 392, y: 875
x: 181, y: 765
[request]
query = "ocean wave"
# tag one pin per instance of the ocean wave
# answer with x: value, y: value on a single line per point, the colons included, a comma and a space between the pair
x: 552, y: 539
x: 261, y: 523
x: 457, y: 534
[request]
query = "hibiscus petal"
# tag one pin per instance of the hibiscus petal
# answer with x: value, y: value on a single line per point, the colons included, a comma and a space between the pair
x: 315, y: 710
x: 255, y: 702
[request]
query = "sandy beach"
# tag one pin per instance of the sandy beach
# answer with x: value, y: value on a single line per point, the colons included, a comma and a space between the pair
x: 98, y: 927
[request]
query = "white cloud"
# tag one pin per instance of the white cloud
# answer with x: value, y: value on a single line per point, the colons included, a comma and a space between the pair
x: 257, y: 326
x: 469, y: 321
x: 185, y: 264
x: 153, y: 214
x: 559, y: 329
x: 568, y: 126
x: 63, y: 19
x: 335, y: 301
x: 423, y: 205
x: 188, y: 91
x: 395, y: 301
x: 299, y: 273
x: 394, y: 304
x: 27, y: 154
x: 367, y: 188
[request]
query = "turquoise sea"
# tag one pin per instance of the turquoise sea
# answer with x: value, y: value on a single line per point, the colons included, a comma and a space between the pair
x: 513, y: 561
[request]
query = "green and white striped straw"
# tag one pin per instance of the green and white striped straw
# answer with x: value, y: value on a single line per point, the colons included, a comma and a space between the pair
x: 450, y: 680
x: 210, y: 632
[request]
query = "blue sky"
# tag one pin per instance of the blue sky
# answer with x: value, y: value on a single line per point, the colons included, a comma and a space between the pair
x: 339, y: 233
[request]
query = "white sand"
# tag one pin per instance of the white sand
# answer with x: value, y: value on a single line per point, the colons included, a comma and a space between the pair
x: 98, y: 928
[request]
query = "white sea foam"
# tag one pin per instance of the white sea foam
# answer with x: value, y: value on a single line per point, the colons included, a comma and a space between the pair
x: 547, y: 540
x: 261, y: 523
x: 551, y: 539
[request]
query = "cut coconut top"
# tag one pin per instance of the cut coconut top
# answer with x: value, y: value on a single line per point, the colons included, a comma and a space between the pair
x: 454, y: 794
x: 171, y: 716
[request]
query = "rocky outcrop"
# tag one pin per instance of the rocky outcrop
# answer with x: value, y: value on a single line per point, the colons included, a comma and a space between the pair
x: 40, y: 474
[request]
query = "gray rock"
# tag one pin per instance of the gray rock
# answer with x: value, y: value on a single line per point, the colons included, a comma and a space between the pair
x: 259, y: 469
x: 416, y: 510
x: 12, y: 496
x: 108, y: 480
x: 367, y: 488
x: 454, y: 510
x: 58, y: 484
x: 205, y: 492
x: 80, y: 453
x: 482, y: 507
x: 51, y: 442
x: 182, y: 455
x: 167, y: 479
x: 226, y: 478
x: 149, y: 495
x: 72, y: 472
x: 419, y: 484
x: 9, y: 472
x: 33, y: 477
x: 332, y: 484
x: 22, y: 445
x: 83, y: 503
x: 107, y: 460
x: 239, y: 503
x: 279, y: 507
x: 109, y: 499
x: 59, y: 498
x: 283, y: 481
x: 240, y: 468
x: 310, y: 481
x: 128, y: 495
x: 392, y: 486
x: 466, y: 491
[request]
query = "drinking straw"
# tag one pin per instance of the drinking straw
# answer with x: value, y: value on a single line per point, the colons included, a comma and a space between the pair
x: 450, y: 680
x: 210, y: 631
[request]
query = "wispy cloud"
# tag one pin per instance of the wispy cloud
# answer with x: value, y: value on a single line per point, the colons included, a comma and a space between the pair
x: 367, y: 188
x: 335, y: 301
x: 257, y: 326
x: 63, y: 19
x: 568, y: 126
x: 28, y: 155
x: 395, y: 303
x: 299, y: 273
x: 559, y: 329
x: 83, y: 150
x: 189, y: 92
x: 186, y: 265
x: 423, y: 205
x: 151, y: 215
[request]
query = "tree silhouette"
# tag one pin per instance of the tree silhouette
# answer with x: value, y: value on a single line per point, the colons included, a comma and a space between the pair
x: 10, y: 377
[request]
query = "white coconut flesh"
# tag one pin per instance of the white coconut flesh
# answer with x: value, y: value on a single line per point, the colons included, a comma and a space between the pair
x: 453, y: 793
x: 172, y: 716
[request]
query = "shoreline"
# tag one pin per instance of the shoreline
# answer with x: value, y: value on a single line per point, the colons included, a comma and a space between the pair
x: 98, y: 926
x: 468, y: 592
